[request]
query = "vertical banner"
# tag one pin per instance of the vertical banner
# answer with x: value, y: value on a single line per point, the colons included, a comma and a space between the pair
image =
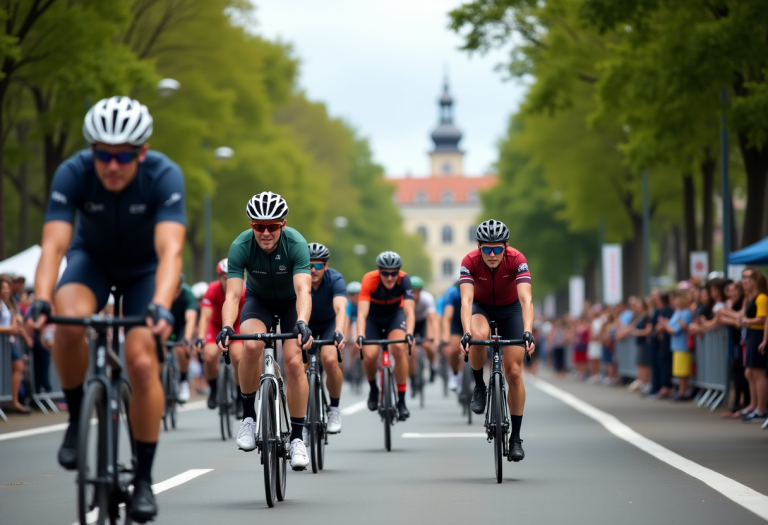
x: 613, y: 291
x: 550, y: 306
x: 576, y: 296
x: 699, y: 265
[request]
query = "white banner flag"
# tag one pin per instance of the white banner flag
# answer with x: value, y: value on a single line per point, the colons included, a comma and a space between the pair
x: 613, y: 291
x: 699, y: 265
x: 576, y: 296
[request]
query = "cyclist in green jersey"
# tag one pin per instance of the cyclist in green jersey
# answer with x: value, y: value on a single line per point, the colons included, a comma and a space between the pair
x: 275, y: 262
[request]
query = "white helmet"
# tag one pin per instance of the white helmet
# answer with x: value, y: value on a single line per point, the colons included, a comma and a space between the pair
x: 199, y: 289
x: 266, y: 206
x: 118, y: 120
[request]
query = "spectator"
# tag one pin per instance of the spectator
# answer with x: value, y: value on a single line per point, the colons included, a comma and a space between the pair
x: 661, y: 372
x: 753, y: 319
x: 20, y: 296
x: 10, y: 327
x: 558, y: 339
x: 641, y: 333
x: 595, y: 346
x: 729, y: 316
x: 608, y: 338
x: 581, y: 337
x: 677, y: 328
x: 42, y: 343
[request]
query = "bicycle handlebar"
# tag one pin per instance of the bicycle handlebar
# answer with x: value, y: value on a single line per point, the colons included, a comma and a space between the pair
x: 498, y: 343
x: 173, y: 344
x: 257, y: 337
x: 419, y: 340
x: 317, y: 343
x: 370, y: 342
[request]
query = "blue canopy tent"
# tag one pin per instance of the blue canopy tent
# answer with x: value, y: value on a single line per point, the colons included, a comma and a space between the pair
x: 753, y: 254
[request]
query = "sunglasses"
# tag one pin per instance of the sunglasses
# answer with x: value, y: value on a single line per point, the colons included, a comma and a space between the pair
x: 124, y: 157
x: 271, y: 227
x: 317, y: 266
x: 389, y: 274
x: 493, y: 249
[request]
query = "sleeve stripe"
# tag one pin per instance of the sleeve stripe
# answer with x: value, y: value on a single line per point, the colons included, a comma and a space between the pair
x: 466, y: 280
x: 524, y: 278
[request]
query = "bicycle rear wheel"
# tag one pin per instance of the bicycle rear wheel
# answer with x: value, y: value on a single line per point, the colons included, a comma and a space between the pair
x: 92, y: 480
x: 224, y: 401
x: 322, y: 430
x: 313, y: 426
x: 498, y: 438
x: 386, y: 405
x: 268, y: 441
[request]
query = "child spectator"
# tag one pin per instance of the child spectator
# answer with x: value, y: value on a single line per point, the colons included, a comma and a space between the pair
x: 677, y: 328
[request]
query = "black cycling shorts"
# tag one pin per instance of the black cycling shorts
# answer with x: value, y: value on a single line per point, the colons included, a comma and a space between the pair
x: 381, y: 327
x: 137, y: 286
x: 509, y: 317
x: 256, y: 307
x: 420, y: 329
x: 323, y: 329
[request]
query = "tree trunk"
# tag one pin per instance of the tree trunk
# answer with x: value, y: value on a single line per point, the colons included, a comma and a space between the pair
x: 591, y: 276
x: 633, y: 281
x: 689, y: 222
x: 198, y: 252
x: 23, y: 242
x: 708, y: 167
x: 679, y: 253
x: 756, y: 166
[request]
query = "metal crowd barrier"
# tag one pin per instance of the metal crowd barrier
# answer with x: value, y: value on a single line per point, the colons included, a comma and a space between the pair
x: 6, y: 370
x: 712, y: 368
x: 625, y: 356
x: 42, y: 399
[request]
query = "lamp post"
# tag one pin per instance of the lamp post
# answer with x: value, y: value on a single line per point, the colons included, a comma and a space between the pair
x: 221, y: 154
x: 646, y: 234
x: 726, y: 188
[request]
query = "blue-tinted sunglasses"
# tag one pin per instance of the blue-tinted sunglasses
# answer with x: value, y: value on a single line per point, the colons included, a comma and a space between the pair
x: 124, y: 157
x: 493, y: 249
x: 317, y: 266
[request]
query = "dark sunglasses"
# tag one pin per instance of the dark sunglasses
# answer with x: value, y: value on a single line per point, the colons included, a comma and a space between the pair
x: 317, y: 266
x: 493, y: 249
x: 271, y: 228
x: 389, y: 274
x: 124, y: 157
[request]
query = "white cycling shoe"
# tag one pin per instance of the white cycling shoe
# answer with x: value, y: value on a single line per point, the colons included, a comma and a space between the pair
x: 454, y: 381
x: 334, y: 420
x: 184, y: 392
x: 299, y: 457
x: 305, y: 436
x: 246, y: 437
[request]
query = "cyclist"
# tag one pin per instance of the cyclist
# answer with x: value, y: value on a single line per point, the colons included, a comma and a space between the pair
x: 427, y: 327
x: 353, y: 296
x: 209, y: 327
x: 275, y: 260
x: 329, y: 307
x: 130, y: 233
x: 386, y: 302
x: 452, y: 333
x: 184, y: 310
x: 496, y: 286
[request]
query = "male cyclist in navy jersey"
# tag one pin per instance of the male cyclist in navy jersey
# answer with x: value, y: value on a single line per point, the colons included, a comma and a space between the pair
x: 496, y: 286
x: 130, y: 233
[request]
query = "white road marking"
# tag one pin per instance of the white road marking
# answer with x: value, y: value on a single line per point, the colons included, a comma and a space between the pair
x: 195, y: 405
x: 157, y: 488
x: 430, y: 435
x: 351, y: 409
x: 741, y: 494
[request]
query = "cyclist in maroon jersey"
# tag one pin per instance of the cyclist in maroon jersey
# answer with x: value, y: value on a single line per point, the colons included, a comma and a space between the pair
x: 495, y: 285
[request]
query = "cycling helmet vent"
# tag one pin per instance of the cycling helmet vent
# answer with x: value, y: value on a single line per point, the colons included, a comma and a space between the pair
x: 492, y: 231
x: 389, y: 261
x: 118, y: 120
x: 318, y: 252
x: 266, y: 206
x: 354, y: 287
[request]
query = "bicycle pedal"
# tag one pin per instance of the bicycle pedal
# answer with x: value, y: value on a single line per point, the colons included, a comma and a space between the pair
x: 298, y: 469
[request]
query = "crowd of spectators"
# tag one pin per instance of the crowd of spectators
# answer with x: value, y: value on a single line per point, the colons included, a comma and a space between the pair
x: 666, y: 327
x: 13, y: 305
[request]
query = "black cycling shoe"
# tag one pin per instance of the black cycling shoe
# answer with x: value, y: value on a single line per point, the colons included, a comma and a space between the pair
x: 516, y: 452
x: 402, y: 412
x: 212, y: 404
x: 373, y: 399
x: 142, y: 507
x: 478, y: 400
x: 432, y: 375
x: 68, y: 449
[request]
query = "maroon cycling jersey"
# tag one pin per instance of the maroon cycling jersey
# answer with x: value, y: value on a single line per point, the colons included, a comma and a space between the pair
x: 495, y: 287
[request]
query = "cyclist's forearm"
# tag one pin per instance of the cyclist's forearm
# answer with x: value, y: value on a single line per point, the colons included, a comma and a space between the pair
x: 340, y: 306
x: 191, y: 324
x: 360, y: 325
x: 410, y: 316
x: 56, y: 238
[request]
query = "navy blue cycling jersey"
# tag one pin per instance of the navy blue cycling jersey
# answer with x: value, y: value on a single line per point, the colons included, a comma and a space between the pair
x: 117, y: 229
x: 332, y: 285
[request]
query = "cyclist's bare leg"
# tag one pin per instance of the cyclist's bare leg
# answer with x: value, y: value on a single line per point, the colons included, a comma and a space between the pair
x: 298, y: 389
x: 371, y: 361
x: 400, y: 353
x: 480, y: 330
x: 513, y: 365
x: 70, y: 348
x: 236, y: 353
x: 249, y: 369
x: 333, y: 374
x: 453, y: 353
x: 211, y: 361
x: 148, y: 399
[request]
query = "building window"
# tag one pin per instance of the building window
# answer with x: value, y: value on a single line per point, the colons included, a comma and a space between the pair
x: 420, y: 197
x: 447, y: 268
x: 473, y: 234
x: 421, y: 230
x: 446, y: 196
x: 447, y: 168
x: 473, y: 196
x: 447, y: 235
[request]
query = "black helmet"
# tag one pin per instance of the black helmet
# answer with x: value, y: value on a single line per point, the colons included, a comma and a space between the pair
x: 492, y: 231
x: 389, y: 261
x: 318, y: 252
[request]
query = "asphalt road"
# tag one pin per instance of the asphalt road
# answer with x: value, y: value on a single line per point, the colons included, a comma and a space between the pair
x: 575, y: 472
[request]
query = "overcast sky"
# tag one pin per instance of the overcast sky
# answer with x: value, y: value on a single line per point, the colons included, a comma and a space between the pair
x: 379, y: 65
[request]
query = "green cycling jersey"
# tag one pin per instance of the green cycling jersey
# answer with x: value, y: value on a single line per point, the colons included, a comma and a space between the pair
x: 270, y: 276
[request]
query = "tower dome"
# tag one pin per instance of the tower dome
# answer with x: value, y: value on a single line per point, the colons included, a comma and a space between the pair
x: 446, y: 136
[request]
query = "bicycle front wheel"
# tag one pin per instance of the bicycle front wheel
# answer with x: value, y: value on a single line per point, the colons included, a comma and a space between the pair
x: 92, y: 479
x: 322, y: 426
x: 386, y: 405
x: 223, y: 400
x: 314, y: 413
x: 166, y: 391
x: 466, y: 392
x: 420, y: 378
x: 269, y: 439
x: 498, y: 438
x: 173, y: 383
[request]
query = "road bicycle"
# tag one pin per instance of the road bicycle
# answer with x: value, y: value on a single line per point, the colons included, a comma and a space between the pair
x: 106, y: 449
x: 273, y: 421
x: 226, y: 397
x: 497, y: 427
x: 169, y: 377
x: 317, y: 405
x: 465, y: 392
x: 388, y: 389
x: 423, y: 367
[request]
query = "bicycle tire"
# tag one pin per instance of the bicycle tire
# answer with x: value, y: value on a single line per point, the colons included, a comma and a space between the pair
x: 231, y: 404
x: 312, y: 430
x: 444, y: 373
x: 420, y: 377
x: 268, y: 440
x: 322, y: 431
x: 281, y: 461
x: 498, y: 439
x: 164, y: 380
x: 124, y: 469
x: 386, y: 398
x: 466, y: 392
x: 223, y: 400
x: 173, y: 376
x: 92, y: 495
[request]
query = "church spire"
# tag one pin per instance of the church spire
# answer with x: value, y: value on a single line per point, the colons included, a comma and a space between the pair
x: 446, y: 136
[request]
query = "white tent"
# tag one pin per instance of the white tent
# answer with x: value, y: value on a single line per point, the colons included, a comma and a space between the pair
x: 25, y: 264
